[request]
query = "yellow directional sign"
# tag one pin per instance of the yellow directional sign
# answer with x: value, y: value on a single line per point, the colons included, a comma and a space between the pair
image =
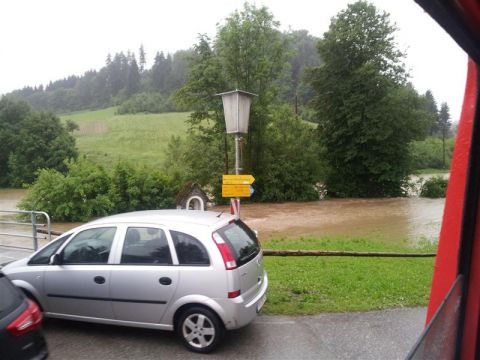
x: 238, y: 179
x: 236, y: 190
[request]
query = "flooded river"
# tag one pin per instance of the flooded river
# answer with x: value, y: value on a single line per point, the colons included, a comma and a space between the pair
x: 391, y: 220
x: 386, y: 219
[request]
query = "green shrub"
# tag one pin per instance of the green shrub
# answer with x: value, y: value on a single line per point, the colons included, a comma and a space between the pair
x: 30, y: 141
x: 428, y: 153
x: 88, y: 191
x: 147, y: 103
x: 435, y: 187
x: 140, y: 188
x: 77, y: 196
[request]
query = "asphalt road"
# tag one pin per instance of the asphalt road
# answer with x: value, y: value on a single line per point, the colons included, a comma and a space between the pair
x: 387, y: 334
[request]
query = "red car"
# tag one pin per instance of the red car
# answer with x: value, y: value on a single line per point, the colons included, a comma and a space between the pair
x: 452, y: 330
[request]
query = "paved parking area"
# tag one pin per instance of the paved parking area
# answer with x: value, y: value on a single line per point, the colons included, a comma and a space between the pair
x: 387, y: 334
x: 10, y: 254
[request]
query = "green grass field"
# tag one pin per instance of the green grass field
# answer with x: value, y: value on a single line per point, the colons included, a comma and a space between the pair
x: 106, y: 138
x: 310, y: 285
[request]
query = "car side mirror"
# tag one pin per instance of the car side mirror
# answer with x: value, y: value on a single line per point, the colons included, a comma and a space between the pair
x: 56, y: 259
x: 256, y: 233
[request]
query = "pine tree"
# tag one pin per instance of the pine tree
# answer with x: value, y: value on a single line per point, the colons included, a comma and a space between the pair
x: 141, y: 58
x: 133, y: 78
x: 432, y: 109
x: 444, y: 124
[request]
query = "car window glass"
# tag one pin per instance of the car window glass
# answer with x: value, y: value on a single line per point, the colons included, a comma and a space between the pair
x: 90, y: 246
x: 43, y: 256
x: 242, y: 241
x: 10, y: 297
x: 190, y: 251
x: 145, y: 245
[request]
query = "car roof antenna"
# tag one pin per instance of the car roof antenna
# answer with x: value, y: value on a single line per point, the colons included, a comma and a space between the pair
x: 218, y: 216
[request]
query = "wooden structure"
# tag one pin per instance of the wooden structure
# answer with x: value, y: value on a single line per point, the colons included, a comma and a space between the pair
x: 192, y: 197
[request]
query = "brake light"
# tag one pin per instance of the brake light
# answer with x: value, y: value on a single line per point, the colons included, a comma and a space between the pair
x: 224, y: 249
x: 29, y: 320
x: 233, y: 294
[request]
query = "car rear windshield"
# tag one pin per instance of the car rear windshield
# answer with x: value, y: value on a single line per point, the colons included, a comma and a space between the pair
x: 10, y: 297
x: 242, y: 241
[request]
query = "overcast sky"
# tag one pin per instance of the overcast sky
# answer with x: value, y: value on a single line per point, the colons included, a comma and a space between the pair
x: 51, y: 39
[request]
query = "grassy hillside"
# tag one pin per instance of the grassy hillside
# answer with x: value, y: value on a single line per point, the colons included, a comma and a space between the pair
x: 141, y: 138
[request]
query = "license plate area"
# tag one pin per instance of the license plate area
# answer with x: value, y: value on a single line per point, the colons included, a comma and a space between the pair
x: 261, y: 302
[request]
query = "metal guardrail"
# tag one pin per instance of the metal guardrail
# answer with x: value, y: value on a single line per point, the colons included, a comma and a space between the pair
x: 35, y: 227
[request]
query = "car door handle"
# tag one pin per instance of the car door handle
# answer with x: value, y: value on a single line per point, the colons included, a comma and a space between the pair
x: 99, y: 279
x: 165, y: 281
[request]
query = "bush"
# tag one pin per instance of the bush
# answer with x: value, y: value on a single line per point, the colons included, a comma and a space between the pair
x: 30, y: 141
x: 140, y: 189
x: 147, y: 103
x: 77, y: 196
x: 435, y: 187
x: 88, y: 191
x: 428, y: 153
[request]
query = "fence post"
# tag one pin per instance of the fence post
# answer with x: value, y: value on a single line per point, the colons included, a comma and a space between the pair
x: 34, y: 229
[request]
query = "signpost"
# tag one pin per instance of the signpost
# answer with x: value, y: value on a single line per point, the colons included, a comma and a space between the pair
x: 237, y: 185
x: 236, y: 107
x: 238, y: 179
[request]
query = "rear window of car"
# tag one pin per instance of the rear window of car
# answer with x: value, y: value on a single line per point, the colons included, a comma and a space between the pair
x: 10, y: 297
x: 242, y: 241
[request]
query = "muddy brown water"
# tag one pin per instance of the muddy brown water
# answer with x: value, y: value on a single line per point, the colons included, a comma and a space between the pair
x: 390, y: 220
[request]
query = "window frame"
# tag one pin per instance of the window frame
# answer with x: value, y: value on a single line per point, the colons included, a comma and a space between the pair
x: 121, y: 234
x: 121, y: 248
x: 67, y: 235
x: 198, y: 240
x: 97, y: 226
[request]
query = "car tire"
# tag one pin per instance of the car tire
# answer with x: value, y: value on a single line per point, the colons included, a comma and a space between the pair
x: 200, y: 329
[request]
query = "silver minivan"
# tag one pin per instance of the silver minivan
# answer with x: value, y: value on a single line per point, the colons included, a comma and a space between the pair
x: 196, y: 272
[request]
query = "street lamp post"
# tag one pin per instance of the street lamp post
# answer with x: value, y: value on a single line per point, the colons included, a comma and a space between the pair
x: 236, y: 108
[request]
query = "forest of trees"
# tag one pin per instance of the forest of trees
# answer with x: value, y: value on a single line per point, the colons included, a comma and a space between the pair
x: 371, y: 123
x: 125, y: 81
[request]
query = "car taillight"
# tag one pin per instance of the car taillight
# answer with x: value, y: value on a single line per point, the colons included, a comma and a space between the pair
x: 224, y: 249
x: 233, y: 294
x: 29, y: 320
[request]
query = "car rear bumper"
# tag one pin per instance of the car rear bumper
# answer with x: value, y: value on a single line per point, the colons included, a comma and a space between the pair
x: 239, y: 312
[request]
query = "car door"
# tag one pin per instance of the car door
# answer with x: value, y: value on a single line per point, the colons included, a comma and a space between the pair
x: 144, y: 280
x: 79, y: 283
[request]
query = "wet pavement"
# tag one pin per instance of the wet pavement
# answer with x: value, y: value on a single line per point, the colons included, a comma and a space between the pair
x: 387, y: 334
x: 11, y: 254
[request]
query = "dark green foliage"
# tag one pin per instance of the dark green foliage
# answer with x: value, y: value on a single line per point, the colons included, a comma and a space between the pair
x: 249, y: 54
x: 435, y: 187
x: 77, y: 196
x: 120, y: 79
x: 87, y: 191
x: 428, y: 153
x: 293, y: 165
x: 133, y: 78
x: 142, y: 58
x: 161, y: 70
x: 367, y: 113
x: 140, y: 188
x: 30, y: 141
x: 432, y: 110
x: 147, y: 102
x: 444, y: 124
x: 302, y: 54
